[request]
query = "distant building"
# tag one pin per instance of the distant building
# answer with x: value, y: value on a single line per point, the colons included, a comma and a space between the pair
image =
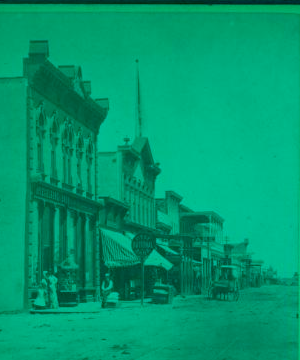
x: 206, y: 228
x: 49, y: 201
x: 168, y: 210
x: 236, y: 254
x: 129, y: 176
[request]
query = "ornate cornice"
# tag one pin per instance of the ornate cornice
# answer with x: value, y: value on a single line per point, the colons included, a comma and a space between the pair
x: 57, y: 88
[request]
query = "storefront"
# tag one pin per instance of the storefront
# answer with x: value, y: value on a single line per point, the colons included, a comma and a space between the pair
x: 66, y: 229
x: 118, y: 259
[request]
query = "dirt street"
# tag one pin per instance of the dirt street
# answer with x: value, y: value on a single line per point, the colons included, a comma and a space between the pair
x: 262, y: 325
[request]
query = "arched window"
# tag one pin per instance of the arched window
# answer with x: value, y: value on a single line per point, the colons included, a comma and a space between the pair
x: 40, y: 131
x: 70, y: 152
x: 79, y: 154
x: 89, y: 161
x: 67, y: 149
x: 54, y: 136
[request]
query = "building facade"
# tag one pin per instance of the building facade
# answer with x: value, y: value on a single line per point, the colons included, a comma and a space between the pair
x: 54, y: 130
x: 175, y: 245
x: 206, y: 229
x: 129, y: 177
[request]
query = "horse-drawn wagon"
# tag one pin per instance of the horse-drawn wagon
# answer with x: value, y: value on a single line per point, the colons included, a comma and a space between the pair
x: 227, y: 285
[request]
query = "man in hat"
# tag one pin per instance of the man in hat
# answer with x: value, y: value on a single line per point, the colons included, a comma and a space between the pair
x: 107, y: 286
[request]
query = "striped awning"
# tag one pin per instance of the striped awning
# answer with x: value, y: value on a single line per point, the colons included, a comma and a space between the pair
x: 117, y: 250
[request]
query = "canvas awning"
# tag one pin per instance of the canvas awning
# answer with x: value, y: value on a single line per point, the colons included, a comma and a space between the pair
x: 117, y: 251
x: 155, y: 259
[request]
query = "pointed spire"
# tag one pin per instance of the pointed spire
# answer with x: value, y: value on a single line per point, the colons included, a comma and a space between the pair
x: 138, y: 125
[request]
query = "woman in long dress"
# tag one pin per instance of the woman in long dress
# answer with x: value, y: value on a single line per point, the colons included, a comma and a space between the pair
x: 53, y: 291
x: 52, y: 285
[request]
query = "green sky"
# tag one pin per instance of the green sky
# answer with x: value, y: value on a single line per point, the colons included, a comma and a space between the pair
x: 220, y: 104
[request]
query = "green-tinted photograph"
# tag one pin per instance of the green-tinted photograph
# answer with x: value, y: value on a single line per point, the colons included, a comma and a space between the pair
x: 149, y: 198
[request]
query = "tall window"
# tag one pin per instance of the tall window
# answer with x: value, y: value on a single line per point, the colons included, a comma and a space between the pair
x: 67, y: 149
x: 70, y: 153
x: 40, y: 131
x: 54, y: 136
x: 63, y: 238
x: 89, y: 161
x: 89, y: 252
x: 46, y: 238
x: 79, y: 154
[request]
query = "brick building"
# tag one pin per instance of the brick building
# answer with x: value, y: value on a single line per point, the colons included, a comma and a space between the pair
x: 49, y: 201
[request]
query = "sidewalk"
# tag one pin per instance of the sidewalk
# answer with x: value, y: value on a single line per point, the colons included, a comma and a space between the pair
x: 92, y: 307
x: 95, y: 307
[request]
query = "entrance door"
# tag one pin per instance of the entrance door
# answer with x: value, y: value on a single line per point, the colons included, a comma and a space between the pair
x: 46, y: 238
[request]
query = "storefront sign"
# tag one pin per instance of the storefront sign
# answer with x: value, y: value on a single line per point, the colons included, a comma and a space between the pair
x: 143, y: 244
x: 46, y: 192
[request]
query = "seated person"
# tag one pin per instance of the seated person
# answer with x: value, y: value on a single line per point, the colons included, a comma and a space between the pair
x: 41, y: 300
x: 107, y: 286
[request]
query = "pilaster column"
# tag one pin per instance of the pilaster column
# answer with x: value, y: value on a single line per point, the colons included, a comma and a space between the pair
x: 97, y: 262
x: 87, y: 250
x: 41, y: 234
x: 56, y: 232
x: 33, y: 251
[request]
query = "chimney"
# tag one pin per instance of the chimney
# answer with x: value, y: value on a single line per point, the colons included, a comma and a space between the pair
x: 103, y: 103
x: 87, y: 87
x: 39, y: 49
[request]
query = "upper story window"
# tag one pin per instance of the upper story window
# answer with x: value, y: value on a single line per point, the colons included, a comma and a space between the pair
x: 89, y: 161
x: 67, y: 149
x: 79, y: 155
x: 54, y: 137
x: 40, y: 131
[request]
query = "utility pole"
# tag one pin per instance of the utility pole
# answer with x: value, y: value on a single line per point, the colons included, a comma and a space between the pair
x: 181, y: 265
x: 208, y: 252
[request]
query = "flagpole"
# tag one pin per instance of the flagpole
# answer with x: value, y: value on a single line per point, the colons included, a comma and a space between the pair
x: 138, y: 125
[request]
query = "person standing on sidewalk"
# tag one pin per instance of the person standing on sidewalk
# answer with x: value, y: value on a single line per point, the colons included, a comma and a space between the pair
x: 52, y: 289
